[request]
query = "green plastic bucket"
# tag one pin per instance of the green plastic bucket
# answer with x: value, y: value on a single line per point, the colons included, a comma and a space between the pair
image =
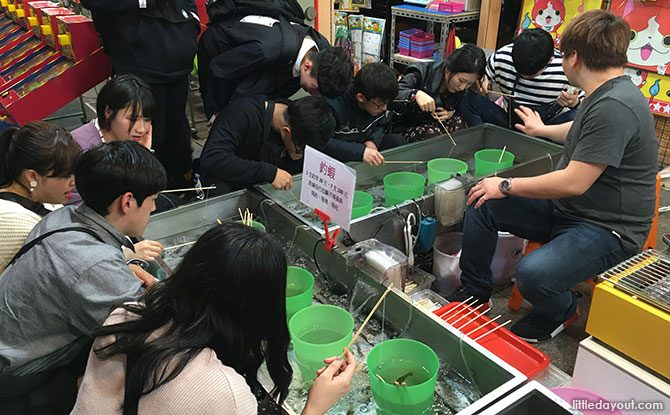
x: 441, y: 169
x: 318, y: 332
x: 362, y: 204
x: 401, y: 186
x: 299, y: 290
x: 486, y: 161
x: 255, y: 224
x: 392, y: 360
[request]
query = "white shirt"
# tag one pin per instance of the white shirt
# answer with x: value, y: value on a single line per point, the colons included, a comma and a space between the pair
x: 307, y: 44
x: 540, y: 90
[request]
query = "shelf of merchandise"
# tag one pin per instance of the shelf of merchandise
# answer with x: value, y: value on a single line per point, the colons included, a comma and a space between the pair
x: 446, y: 20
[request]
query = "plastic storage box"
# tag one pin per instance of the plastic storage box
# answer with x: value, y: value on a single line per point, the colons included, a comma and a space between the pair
x: 422, y: 39
x: 427, y: 300
x: 451, y: 7
x: 417, y: 280
x: 409, y: 33
x: 422, y: 53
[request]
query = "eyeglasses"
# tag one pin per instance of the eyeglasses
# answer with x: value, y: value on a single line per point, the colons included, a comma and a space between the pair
x: 379, y: 106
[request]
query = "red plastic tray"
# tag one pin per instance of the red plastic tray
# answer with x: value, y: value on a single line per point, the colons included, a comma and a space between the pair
x: 502, y: 342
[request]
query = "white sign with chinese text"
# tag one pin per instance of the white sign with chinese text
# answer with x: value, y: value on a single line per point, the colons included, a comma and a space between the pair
x: 328, y: 185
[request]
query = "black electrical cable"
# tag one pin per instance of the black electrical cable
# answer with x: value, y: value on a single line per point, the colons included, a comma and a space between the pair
x: 397, y: 212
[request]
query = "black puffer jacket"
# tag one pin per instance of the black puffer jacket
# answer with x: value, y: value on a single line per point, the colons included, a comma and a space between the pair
x: 238, y: 59
x: 424, y: 77
x: 155, y: 39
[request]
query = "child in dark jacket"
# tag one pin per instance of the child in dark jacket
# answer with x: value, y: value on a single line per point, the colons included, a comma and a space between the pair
x: 360, y: 133
x: 256, y: 140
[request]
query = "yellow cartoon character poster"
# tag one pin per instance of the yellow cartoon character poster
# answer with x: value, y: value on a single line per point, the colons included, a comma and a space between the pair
x: 552, y: 15
x: 655, y: 87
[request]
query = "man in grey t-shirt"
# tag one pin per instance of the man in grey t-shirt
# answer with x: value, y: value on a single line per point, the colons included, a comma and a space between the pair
x: 595, y: 209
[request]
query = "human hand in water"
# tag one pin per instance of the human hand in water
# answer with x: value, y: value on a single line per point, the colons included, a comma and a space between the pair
x: 442, y: 114
x: 332, y: 382
x: 425, y: 101
x: 283, y: 180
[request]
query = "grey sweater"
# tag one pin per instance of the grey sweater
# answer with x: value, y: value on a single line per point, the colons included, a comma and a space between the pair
x: 60, y: 290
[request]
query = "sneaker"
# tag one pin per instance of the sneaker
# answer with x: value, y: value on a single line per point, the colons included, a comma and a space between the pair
x: 464, y: 293
x: 534, y: 328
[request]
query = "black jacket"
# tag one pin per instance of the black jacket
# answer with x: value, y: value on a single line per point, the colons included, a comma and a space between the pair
x: 427, y: 78
x: 157, y: 43
x: 242, y: 59
x: 242, y: 149
x: 354, y: 127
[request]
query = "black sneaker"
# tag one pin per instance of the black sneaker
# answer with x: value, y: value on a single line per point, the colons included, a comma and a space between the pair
x: 534, y: 328
x: 464, y: 293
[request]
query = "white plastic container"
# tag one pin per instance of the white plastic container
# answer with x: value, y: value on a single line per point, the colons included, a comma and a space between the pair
x: 450, y: 201
x: 446, y: 262
x: 447, y: 255
x: 509, y: 253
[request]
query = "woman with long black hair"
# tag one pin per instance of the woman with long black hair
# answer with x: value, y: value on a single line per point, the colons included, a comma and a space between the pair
x: 36, y: 167
x: 428, y: 93
x: 194, y: 342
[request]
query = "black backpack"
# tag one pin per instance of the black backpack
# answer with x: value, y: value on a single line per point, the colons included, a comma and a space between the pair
x: 286, y: 11
x: 219, y: 10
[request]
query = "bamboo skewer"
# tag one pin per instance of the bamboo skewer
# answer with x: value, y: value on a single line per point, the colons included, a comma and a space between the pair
x: 189, y: 243
x: 403, y: 162
x: 445, y: 129
x: 179, y: 245
x: 294, y: 196
x: 462, y: 310
x: 449, y: 134
x: 501, y: 93
x: 491, y: 331
x: 187, y: 189
x: 353, y: 339
x: 470, y: 321
x: 502, y: 153
x: 247, y: 218
x: 479, y: 327
x: 457, y: 306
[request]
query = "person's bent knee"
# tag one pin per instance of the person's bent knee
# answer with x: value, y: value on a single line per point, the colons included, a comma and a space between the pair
x: 529, y: 275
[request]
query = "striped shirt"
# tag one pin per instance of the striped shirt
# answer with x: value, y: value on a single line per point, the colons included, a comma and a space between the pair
x: 541, y: 90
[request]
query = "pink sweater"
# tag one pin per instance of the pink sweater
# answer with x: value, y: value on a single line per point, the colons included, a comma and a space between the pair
x: 205, y: 386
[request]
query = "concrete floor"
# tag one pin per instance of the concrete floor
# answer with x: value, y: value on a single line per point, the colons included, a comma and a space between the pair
x: 562, y: 350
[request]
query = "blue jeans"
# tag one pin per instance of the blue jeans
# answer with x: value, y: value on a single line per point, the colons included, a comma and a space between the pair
x: 477, y: 109
x: 574, y: 250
